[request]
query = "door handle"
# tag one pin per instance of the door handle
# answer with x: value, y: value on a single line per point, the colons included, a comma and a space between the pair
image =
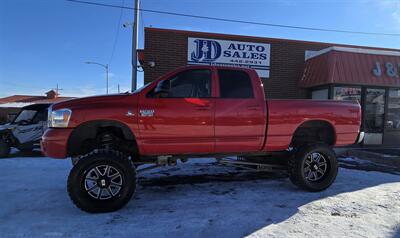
x: 129, y: 113
x: 254, y: 108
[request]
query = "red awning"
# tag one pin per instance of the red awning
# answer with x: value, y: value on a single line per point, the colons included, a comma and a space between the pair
x: 342, y: 65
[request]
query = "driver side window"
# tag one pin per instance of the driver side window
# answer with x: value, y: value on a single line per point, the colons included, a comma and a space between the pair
x: 189, y: 84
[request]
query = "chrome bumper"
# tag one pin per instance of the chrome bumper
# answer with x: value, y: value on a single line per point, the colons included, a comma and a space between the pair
x: 360, y: 137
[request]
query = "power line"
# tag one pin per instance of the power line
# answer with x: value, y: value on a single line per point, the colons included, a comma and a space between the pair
x: 241, y: 21
x: 117, y: 34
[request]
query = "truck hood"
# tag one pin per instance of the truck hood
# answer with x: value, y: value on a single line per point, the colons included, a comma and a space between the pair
x: 95, y: 101
x: 7, y: 126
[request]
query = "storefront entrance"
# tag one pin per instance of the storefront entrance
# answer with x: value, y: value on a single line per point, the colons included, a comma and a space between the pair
x: 374, y: 112
x: 392, y: 119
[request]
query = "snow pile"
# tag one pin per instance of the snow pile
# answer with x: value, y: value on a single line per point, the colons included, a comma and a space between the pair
x: 226, y: 202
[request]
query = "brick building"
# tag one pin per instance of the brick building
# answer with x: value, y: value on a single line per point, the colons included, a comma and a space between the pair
x: 292, y: 69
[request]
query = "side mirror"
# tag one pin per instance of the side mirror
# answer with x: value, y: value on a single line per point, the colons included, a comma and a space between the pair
x: 162, y: 88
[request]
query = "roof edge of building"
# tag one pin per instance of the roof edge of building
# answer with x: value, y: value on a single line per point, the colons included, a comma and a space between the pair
x: 356, y: 50
x: 266, y: 38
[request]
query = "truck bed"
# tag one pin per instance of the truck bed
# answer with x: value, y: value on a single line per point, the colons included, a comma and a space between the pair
x: 285, y: 116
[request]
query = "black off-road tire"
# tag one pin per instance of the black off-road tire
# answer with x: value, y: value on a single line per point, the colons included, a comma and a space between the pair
x: 75, y: 160
x: 76, y: 181
x: 4, y: 149
x: 297, y: 170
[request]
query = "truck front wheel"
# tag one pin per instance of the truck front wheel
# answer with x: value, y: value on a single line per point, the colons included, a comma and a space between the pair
x: 4, y: 148
x: 314, y: 167
x: 102, y: 181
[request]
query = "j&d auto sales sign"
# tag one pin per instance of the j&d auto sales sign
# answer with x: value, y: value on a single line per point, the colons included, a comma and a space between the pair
x: 230, y: 53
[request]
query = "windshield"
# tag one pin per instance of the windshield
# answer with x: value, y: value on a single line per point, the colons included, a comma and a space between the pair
x: 141, y: 88
x: 25, y: 115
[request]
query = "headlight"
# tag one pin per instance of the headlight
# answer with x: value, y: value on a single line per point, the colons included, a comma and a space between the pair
x: 59, y: 118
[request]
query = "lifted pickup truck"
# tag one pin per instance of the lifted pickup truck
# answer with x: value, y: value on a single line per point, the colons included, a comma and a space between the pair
x: 194, y: 111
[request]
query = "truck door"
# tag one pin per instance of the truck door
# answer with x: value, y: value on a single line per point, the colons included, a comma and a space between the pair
x: 181, y: 121
x: 240, y: 114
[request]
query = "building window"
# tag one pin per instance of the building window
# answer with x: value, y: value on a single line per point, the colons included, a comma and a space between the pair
x: 347, y: 93
x: 320, y: 94
x: 374, y: 109
x: 393, y: 115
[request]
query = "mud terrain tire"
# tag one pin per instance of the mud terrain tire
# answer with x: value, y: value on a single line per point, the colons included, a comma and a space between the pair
x: 314, y: 167
x: 113, y: 175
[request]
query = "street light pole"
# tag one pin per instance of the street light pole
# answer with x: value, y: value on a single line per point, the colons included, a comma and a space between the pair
x: 107, y: 77
x: 104, y: 66
x: 135, y: 40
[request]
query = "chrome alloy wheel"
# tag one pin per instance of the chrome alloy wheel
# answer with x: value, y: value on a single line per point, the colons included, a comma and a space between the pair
x: 315, y: 166
x: 103, y: 182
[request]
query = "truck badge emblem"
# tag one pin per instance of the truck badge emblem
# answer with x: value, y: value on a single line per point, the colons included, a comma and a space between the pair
x: 147, y: 113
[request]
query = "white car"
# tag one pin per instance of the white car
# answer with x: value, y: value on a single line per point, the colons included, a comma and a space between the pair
x: 25, y: 131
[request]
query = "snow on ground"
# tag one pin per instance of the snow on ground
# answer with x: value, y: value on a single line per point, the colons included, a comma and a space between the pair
x: 181, y: 202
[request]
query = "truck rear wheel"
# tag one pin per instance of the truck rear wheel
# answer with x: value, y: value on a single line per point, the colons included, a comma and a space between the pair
x: 4, y: 149
x: 314, y: 167
x: 102, y: 181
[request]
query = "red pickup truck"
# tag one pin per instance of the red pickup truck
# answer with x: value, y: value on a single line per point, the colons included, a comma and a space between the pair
x: 194, y: 111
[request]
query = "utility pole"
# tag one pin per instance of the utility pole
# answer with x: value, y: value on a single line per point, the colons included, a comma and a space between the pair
x: 135, y: 40
x: 58, y: 89
x: 118, y: 89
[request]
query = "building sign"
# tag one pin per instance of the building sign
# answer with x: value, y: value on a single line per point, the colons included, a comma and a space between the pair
x: 230, y: 53
x: 390, y: 69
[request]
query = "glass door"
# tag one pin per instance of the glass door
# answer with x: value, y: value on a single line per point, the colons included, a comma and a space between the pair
x: 374, y: 112
x: 392, y: 124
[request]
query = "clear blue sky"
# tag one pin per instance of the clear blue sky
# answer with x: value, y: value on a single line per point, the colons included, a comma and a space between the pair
x: 45, y: 42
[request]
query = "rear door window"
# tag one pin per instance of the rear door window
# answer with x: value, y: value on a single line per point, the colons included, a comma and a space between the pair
x: 235, y: 84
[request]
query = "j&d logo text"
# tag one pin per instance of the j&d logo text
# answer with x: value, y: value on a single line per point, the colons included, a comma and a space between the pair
x: 230, y: 53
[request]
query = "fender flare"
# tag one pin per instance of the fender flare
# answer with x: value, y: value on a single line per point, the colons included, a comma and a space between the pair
x: 322, y: 121
x: 88, y: 130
